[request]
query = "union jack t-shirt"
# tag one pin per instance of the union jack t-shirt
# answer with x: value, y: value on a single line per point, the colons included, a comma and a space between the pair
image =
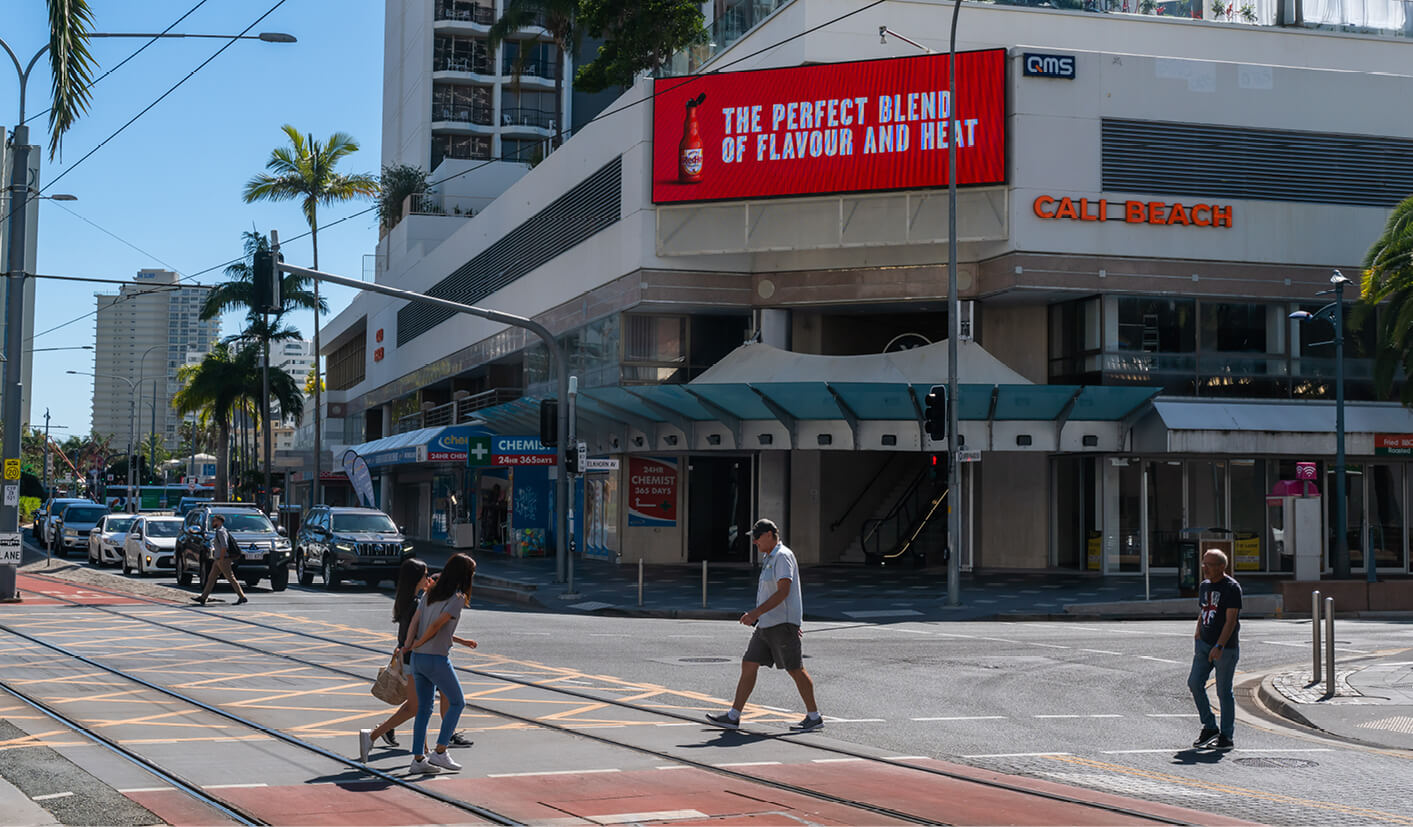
x: 1213, y: 600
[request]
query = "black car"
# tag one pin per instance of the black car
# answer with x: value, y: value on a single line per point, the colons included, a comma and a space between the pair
x: 340, y: 543
x: 265, y: 550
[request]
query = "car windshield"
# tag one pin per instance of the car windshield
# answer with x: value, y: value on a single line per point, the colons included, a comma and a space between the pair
x: 364, y: 522
x: 76, y: 514
x: 118, y: 524
x: 247, y: 522
x: 164, y: 528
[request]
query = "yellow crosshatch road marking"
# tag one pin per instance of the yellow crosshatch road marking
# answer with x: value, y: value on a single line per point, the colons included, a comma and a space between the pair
x: 252, y: 676
x: 106, y: 696
x: 1277, y: 798
x: 155, y: 719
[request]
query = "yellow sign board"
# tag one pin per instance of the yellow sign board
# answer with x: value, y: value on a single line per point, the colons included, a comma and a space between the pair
x: 12, y: 469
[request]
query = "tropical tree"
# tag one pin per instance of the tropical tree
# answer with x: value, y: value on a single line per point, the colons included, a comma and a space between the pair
x: 558, y: 17
x: 224, y: 383
x: 1388, y: 280
x: 306, y: 170
x: 396, y: 183
x: 71, y: 64
x: 637, y: 37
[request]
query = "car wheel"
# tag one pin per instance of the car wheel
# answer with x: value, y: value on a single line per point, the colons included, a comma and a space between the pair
x: 279, y: 579
x: 252, y: 582
x: 306, y: 576
x: 208, y: 573
x: 331, y: 580
x: 183, y: 575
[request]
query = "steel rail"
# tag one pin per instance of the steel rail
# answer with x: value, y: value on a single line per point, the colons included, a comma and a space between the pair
x: 194, y: 790
x: 835, y: 750
x: 489, y: 815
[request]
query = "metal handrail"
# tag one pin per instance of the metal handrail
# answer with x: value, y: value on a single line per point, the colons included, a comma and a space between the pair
x: 901, y: 517
x: 834, y: 526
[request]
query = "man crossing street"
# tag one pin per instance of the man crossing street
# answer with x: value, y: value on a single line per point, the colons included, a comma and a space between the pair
x: 222, y: 549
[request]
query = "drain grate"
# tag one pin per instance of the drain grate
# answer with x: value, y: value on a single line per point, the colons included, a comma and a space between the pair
x: 1398, y: 723
x: 1278, y: 763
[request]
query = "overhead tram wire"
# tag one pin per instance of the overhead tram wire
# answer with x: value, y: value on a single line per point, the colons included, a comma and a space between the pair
x: 559, y: 133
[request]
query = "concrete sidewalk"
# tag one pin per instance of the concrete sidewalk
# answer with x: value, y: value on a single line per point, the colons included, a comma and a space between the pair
x: 1373, y: 700
x: 839, y: 593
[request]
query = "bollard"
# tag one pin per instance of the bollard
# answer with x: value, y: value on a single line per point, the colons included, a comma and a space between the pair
x: 1329, y: 648
x: 1315, y: 636
x: 704, y: 584
x: 640, y: 582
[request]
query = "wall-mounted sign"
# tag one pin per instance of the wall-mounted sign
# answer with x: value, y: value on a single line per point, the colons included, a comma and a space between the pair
x: 838, y: 127
x: 1163, y: 213
x: 1305, y: 471
x: 1393, y: 445
x: 1036, y: 65
x: 652, y: 491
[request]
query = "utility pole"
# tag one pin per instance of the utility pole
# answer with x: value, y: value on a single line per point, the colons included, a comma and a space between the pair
x: 14, y: 341
x: 47, y: 493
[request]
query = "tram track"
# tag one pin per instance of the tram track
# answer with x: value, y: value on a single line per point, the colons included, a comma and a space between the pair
x: 833, y: 750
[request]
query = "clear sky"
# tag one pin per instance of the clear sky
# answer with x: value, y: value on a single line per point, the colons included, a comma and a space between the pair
x: 166, y: 192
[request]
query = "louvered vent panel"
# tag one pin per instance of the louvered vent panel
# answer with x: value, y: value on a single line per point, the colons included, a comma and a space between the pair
x: 592, y: 205
x: 1209, y: 161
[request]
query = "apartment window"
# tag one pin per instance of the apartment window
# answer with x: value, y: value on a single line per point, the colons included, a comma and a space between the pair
x: 347, y: 364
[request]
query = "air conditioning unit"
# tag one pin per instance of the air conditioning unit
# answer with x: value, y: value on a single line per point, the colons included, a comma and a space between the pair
x: 965, y: 316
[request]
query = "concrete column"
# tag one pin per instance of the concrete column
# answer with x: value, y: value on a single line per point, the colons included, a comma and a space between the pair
x: 774, y: 326
x: 1108, y: 504
x: 773, y: 490
x: 387, y: 421
x: 806, y: 535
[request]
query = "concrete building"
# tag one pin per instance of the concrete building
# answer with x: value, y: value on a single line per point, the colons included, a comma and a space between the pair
x: 145, y: 332
x: 1137, y: 226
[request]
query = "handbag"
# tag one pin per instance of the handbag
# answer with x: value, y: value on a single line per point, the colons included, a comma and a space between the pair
x: 390, y: 687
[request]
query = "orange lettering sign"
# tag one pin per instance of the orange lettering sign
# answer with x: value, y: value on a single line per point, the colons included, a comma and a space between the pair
x: 1160, y: 213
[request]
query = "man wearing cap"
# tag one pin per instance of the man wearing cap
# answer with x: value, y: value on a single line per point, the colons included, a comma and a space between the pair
x: 221, y: 552
x: 776, y: 639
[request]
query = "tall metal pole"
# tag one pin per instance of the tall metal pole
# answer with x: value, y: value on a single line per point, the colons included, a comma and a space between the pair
x: 14, y: 334
x: 47, y: 493
x: 954, y: 331
x: 552, y: 346
x: 152, y: 435
x: 570, y: 445
x: 1341, y: 561
x: 265, y: 411
x: 132, y: 439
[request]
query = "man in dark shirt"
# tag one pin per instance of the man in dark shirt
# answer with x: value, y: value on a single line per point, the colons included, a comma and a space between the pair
x: 1216, y: 647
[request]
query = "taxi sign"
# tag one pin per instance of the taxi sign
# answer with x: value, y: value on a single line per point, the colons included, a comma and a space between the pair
x: 12, y: 469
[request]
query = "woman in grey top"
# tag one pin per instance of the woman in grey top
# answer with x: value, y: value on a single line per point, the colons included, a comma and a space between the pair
x: 430, y: 636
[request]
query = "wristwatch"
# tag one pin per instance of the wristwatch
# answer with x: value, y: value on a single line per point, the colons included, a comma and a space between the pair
x: 1220, y: 646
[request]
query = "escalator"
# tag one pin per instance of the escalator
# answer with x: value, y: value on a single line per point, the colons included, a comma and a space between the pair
x: 914, y: 528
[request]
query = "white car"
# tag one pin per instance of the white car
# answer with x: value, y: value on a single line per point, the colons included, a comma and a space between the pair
x: 151, y: 544
x: 105, y: 541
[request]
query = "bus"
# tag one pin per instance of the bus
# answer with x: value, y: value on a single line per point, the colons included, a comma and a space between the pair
x: 154, y: 497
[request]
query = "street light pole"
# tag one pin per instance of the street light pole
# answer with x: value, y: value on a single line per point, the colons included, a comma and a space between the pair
x: 132, y: 422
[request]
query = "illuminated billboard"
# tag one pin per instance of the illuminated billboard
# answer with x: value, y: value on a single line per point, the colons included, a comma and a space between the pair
x: 839, y: 127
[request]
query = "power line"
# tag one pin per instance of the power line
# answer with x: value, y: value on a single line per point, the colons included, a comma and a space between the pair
x: 558, y: 134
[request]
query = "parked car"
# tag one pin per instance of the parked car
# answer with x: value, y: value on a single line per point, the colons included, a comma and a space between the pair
x: 105, y: 541
x: 39, y: 521
x: 185, y: 503
x: 51, y: 515
x: 75, y: 522
x: 151, y: 544
x: 341, y: 543
x: 265, y: 550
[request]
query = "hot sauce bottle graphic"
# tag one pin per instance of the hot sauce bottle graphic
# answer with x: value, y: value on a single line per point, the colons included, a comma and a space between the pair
x: 689, y: 164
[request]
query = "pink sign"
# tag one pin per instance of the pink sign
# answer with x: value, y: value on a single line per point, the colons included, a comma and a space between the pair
x: 1305, y: 470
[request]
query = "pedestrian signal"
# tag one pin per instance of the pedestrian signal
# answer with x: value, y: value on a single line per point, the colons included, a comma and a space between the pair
x: 934, y: 415
x: 549, y: 422
x: 266, y: 278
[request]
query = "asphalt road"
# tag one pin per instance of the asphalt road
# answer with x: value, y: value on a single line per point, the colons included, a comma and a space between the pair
x: 1102, y: 705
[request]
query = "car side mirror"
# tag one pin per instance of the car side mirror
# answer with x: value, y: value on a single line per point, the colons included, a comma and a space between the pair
x: 281, y: 531
x: 402, y: 529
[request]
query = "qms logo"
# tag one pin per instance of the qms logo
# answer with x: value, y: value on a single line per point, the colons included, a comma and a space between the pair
x: 1048, y: 66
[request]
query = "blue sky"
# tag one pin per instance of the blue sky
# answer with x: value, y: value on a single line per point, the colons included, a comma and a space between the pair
x: 168, y: 189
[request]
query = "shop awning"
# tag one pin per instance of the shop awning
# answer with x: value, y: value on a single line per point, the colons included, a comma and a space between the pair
x: 1265, y: 427
x: 421, y: 445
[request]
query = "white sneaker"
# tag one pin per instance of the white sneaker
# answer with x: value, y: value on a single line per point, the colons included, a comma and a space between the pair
x: 365, y: 744
x: 443, y: 760
x: 422, y: 766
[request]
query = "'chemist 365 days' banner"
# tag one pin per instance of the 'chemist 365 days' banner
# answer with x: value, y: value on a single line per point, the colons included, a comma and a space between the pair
x: 839, y: 127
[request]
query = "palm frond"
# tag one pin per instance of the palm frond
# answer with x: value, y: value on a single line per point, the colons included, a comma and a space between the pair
x: 71, y: 65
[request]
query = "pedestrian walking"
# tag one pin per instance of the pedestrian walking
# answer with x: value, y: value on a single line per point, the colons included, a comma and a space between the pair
x: 413, y: 580
x: 1216, y: 647
x: 430, y: 636
x: 222, y: 550
x: 776, y: 640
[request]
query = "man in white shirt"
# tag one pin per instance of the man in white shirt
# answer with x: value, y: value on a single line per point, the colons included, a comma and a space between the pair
x: 777, y: 617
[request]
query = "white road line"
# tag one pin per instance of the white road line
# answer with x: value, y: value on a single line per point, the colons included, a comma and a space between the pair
x: 673, y: 767
x: 606, y: 634
x: 1078, y: 716
x: 232, y: 786
x: 965, y: 718
x: 907, y: 631
x: 678, y: 635
x: 833, y: 760
x: 51, y: 796
x: 545, y: 772
x: 1101, y: 651
x: 1172, y: 715
x: 1160, y: 660
x: 1018, y: 755
x: 834, y: 720
x: 749, y: 764
x: 1049, y: 645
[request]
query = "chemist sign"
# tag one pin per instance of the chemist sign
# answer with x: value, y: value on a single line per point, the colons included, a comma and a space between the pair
x: 652, y: 491
x: 838, y: 127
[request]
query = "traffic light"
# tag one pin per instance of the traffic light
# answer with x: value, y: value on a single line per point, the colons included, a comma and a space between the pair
x: 267, y: 282
x: 549, y: 422
x: 937, y: 467
x: 576, y: 458
x: 934, y: 415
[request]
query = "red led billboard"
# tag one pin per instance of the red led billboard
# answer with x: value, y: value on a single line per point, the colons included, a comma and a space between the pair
x: 840, y: 127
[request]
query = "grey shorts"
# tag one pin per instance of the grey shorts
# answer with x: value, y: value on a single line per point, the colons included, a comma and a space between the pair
x: 777, y: 646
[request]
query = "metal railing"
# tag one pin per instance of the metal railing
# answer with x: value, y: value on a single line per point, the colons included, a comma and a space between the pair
x: 834, y: 526
x: 466, y: 12
x: 896, y: 532
x: 521, y: 116
x: 457, y: 411
x: 546, y: 69
x: 433, y: 203
x: 463, y: 113
x: 480, y: 64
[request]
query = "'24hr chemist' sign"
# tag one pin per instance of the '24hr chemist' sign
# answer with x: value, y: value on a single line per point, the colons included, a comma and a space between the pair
x: 839, y: 127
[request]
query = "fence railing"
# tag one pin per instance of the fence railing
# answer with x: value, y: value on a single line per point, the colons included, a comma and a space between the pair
x: 467, y: 13
x: 521, y: 116
x: 433, y: 203
x: 463, y: 113
x: 456, y: 411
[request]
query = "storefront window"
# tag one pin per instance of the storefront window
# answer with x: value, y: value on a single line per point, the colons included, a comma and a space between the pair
x: 1386, y: 515
x: 1234, y: 328
x: 1078, y: 542
x: 1130, y: 517
x: 1075, y: 341
x: 1354, y: 512
x: 1164, y: 513
x: 1248, y: 517
x: 1156, y: 325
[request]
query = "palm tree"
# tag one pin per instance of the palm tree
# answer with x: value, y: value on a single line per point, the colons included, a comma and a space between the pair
x: 1388, y: 277
x: 304, y: 170
x: 71, y: 64
x: 561, y: 19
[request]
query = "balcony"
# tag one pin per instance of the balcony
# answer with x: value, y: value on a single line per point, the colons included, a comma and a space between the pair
x: 476, y: 65
x: 457, y: 412
x: 465, y: 13
x: 470, y: 113
x: 433, y: 203
x: 533, y: 69
x: 531, y: 118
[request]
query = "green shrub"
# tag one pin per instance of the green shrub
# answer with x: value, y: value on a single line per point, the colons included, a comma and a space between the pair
x: 28, y: 505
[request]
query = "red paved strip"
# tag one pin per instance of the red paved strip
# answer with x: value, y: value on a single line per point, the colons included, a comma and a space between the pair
x: 47, y: 591
x: 365, y: 803
x: 176, y: 807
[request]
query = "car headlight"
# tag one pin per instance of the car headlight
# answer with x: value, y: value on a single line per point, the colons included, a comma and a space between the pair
x: 70, y: 532
x: 344, y: 547
x: 408, y: 548
x: 282, y: 545
x: 151, y: 547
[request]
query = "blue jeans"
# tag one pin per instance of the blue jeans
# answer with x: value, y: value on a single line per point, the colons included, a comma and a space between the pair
x: 1197, y: 683
x: 431, y: 673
